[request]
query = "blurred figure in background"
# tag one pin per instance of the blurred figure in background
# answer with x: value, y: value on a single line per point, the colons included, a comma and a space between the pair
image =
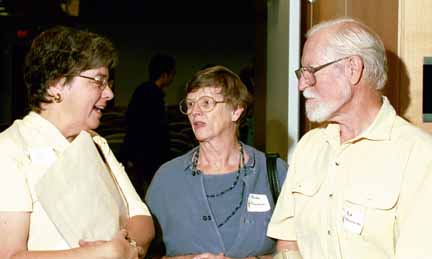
x: 146, y: 143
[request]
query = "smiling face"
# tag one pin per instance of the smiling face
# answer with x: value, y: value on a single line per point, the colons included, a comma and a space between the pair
x: 218, y: 123
x: 82, y: 102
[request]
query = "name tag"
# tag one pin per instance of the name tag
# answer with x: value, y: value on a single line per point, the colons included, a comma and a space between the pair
x: 42, y: 156
x: 258, y: 203
x: 353, y: 219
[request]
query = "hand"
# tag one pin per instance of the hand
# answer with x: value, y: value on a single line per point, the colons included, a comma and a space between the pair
x: 120, y: 248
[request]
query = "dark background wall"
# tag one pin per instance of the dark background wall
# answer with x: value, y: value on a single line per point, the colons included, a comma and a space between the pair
x: 193, y: 45
x: 197, y: 33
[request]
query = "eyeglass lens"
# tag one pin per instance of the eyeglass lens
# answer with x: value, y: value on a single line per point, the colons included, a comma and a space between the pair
x: 307, y: 75
x: 205, y: 103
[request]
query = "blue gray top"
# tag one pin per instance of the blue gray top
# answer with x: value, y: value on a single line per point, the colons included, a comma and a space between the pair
x: 188, y: 219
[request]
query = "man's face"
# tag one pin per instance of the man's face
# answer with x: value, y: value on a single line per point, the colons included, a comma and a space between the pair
x: 328, y: 90
x: 169, y: 77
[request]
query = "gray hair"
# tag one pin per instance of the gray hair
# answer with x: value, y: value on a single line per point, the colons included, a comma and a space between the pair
x: 353, y: 37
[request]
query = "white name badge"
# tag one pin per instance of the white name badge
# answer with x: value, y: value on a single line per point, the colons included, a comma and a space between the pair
x: 258, y: 203
x: 42, y: 156
x: 353, y: 219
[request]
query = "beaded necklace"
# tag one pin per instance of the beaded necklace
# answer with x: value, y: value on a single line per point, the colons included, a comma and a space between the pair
x: 241, y: 161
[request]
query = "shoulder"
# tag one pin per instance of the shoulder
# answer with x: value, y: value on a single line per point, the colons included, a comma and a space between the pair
x: 411, y: 140
x: 261, y: 162
x: 407, y: 131
x: 169, y: 175
x: 98, y: 139
x: 314, y: 136
x: 11, y: 143
x: 13, y: 156
x: 175, y: 166
x: 253, y: 151
x: 172, y: 171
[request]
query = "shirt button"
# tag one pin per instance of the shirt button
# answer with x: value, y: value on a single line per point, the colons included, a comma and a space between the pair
x: 204, y: 218
x: 331, y: 195
x: 337, y: 163
x: 328, y: 232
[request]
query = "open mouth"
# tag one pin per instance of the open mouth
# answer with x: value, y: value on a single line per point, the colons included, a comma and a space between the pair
x: 198, y: 124
x: 99, y: 108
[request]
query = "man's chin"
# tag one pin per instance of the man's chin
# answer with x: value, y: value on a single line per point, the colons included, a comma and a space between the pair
x: 317, y: 116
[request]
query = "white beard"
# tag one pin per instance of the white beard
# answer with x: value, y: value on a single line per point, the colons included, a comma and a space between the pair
x: 320, y: 111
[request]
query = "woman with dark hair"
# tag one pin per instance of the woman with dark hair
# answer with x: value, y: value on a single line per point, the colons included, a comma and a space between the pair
x: 215, y: 200
x: 49, y: 157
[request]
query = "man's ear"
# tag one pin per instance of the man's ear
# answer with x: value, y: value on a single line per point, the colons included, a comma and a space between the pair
x: 354, y: 69
x: 236, y: 114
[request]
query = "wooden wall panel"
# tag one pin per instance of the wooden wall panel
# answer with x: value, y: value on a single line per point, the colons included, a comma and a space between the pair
x: 382, y: 17
x: 415, y: 40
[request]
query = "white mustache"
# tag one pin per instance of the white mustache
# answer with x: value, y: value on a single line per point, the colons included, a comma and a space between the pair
x: 308, y: 93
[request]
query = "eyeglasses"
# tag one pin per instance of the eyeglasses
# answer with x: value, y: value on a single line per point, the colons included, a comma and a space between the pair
x: 205, y: 103
x: 100, y: 81
x: 308, y: 73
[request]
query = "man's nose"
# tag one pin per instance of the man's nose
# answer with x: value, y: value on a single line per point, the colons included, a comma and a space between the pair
x: 302, y: 84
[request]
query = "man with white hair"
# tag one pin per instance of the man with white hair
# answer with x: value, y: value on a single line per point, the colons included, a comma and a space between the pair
x: 360, y: 186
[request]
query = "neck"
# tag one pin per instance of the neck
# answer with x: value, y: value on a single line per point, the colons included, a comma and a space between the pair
x: 359, y: 113
x: 59, y: 122
x: 221, y: 157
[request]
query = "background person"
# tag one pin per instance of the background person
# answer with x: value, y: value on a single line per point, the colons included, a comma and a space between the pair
x: 215, y: 201
x: 146, y: 143
x: 360, y: 186
x: 67, y: 73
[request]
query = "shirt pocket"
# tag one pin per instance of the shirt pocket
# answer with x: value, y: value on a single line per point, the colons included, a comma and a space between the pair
x: 378, y: 208
x: 307, y: 218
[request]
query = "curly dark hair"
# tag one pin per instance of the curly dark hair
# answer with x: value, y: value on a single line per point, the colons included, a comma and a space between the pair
x: 63, y: 52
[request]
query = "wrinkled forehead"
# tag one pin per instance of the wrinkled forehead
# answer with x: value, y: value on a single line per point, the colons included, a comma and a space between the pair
x: 211, y: 91
x: 315, y: 48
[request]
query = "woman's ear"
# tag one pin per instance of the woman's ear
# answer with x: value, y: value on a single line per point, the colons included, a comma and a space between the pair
x: 56, y: 87
x: 236, y: 114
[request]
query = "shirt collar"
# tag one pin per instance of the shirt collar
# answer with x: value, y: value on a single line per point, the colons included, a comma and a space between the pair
x: 380, y: 128
x: 46, y: 130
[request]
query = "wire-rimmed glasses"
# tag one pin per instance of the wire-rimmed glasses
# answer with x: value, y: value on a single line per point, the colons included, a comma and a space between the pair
x: 205, y: 103
x: 308, y: 73
x: 101, y: 81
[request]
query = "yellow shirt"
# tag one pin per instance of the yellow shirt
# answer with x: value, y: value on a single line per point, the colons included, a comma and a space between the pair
x: 26, y: 152
x: 370, y: 197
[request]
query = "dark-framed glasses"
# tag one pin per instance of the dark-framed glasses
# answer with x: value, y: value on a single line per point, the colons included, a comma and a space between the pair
x: 101, y: 81
x: 308, y: 73
x: 205, y: 103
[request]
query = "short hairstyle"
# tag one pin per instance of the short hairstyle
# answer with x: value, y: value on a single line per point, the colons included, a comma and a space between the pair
x: 352, y: 37
x: 63, y: 52
x: 159, y: 64
x: 232, y: 88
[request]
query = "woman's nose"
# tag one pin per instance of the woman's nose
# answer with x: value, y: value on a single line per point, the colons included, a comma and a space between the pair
x: 108, y: 93
x: 196, y: 108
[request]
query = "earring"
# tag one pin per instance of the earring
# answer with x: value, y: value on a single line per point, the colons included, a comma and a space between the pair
x: 57, y: 98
